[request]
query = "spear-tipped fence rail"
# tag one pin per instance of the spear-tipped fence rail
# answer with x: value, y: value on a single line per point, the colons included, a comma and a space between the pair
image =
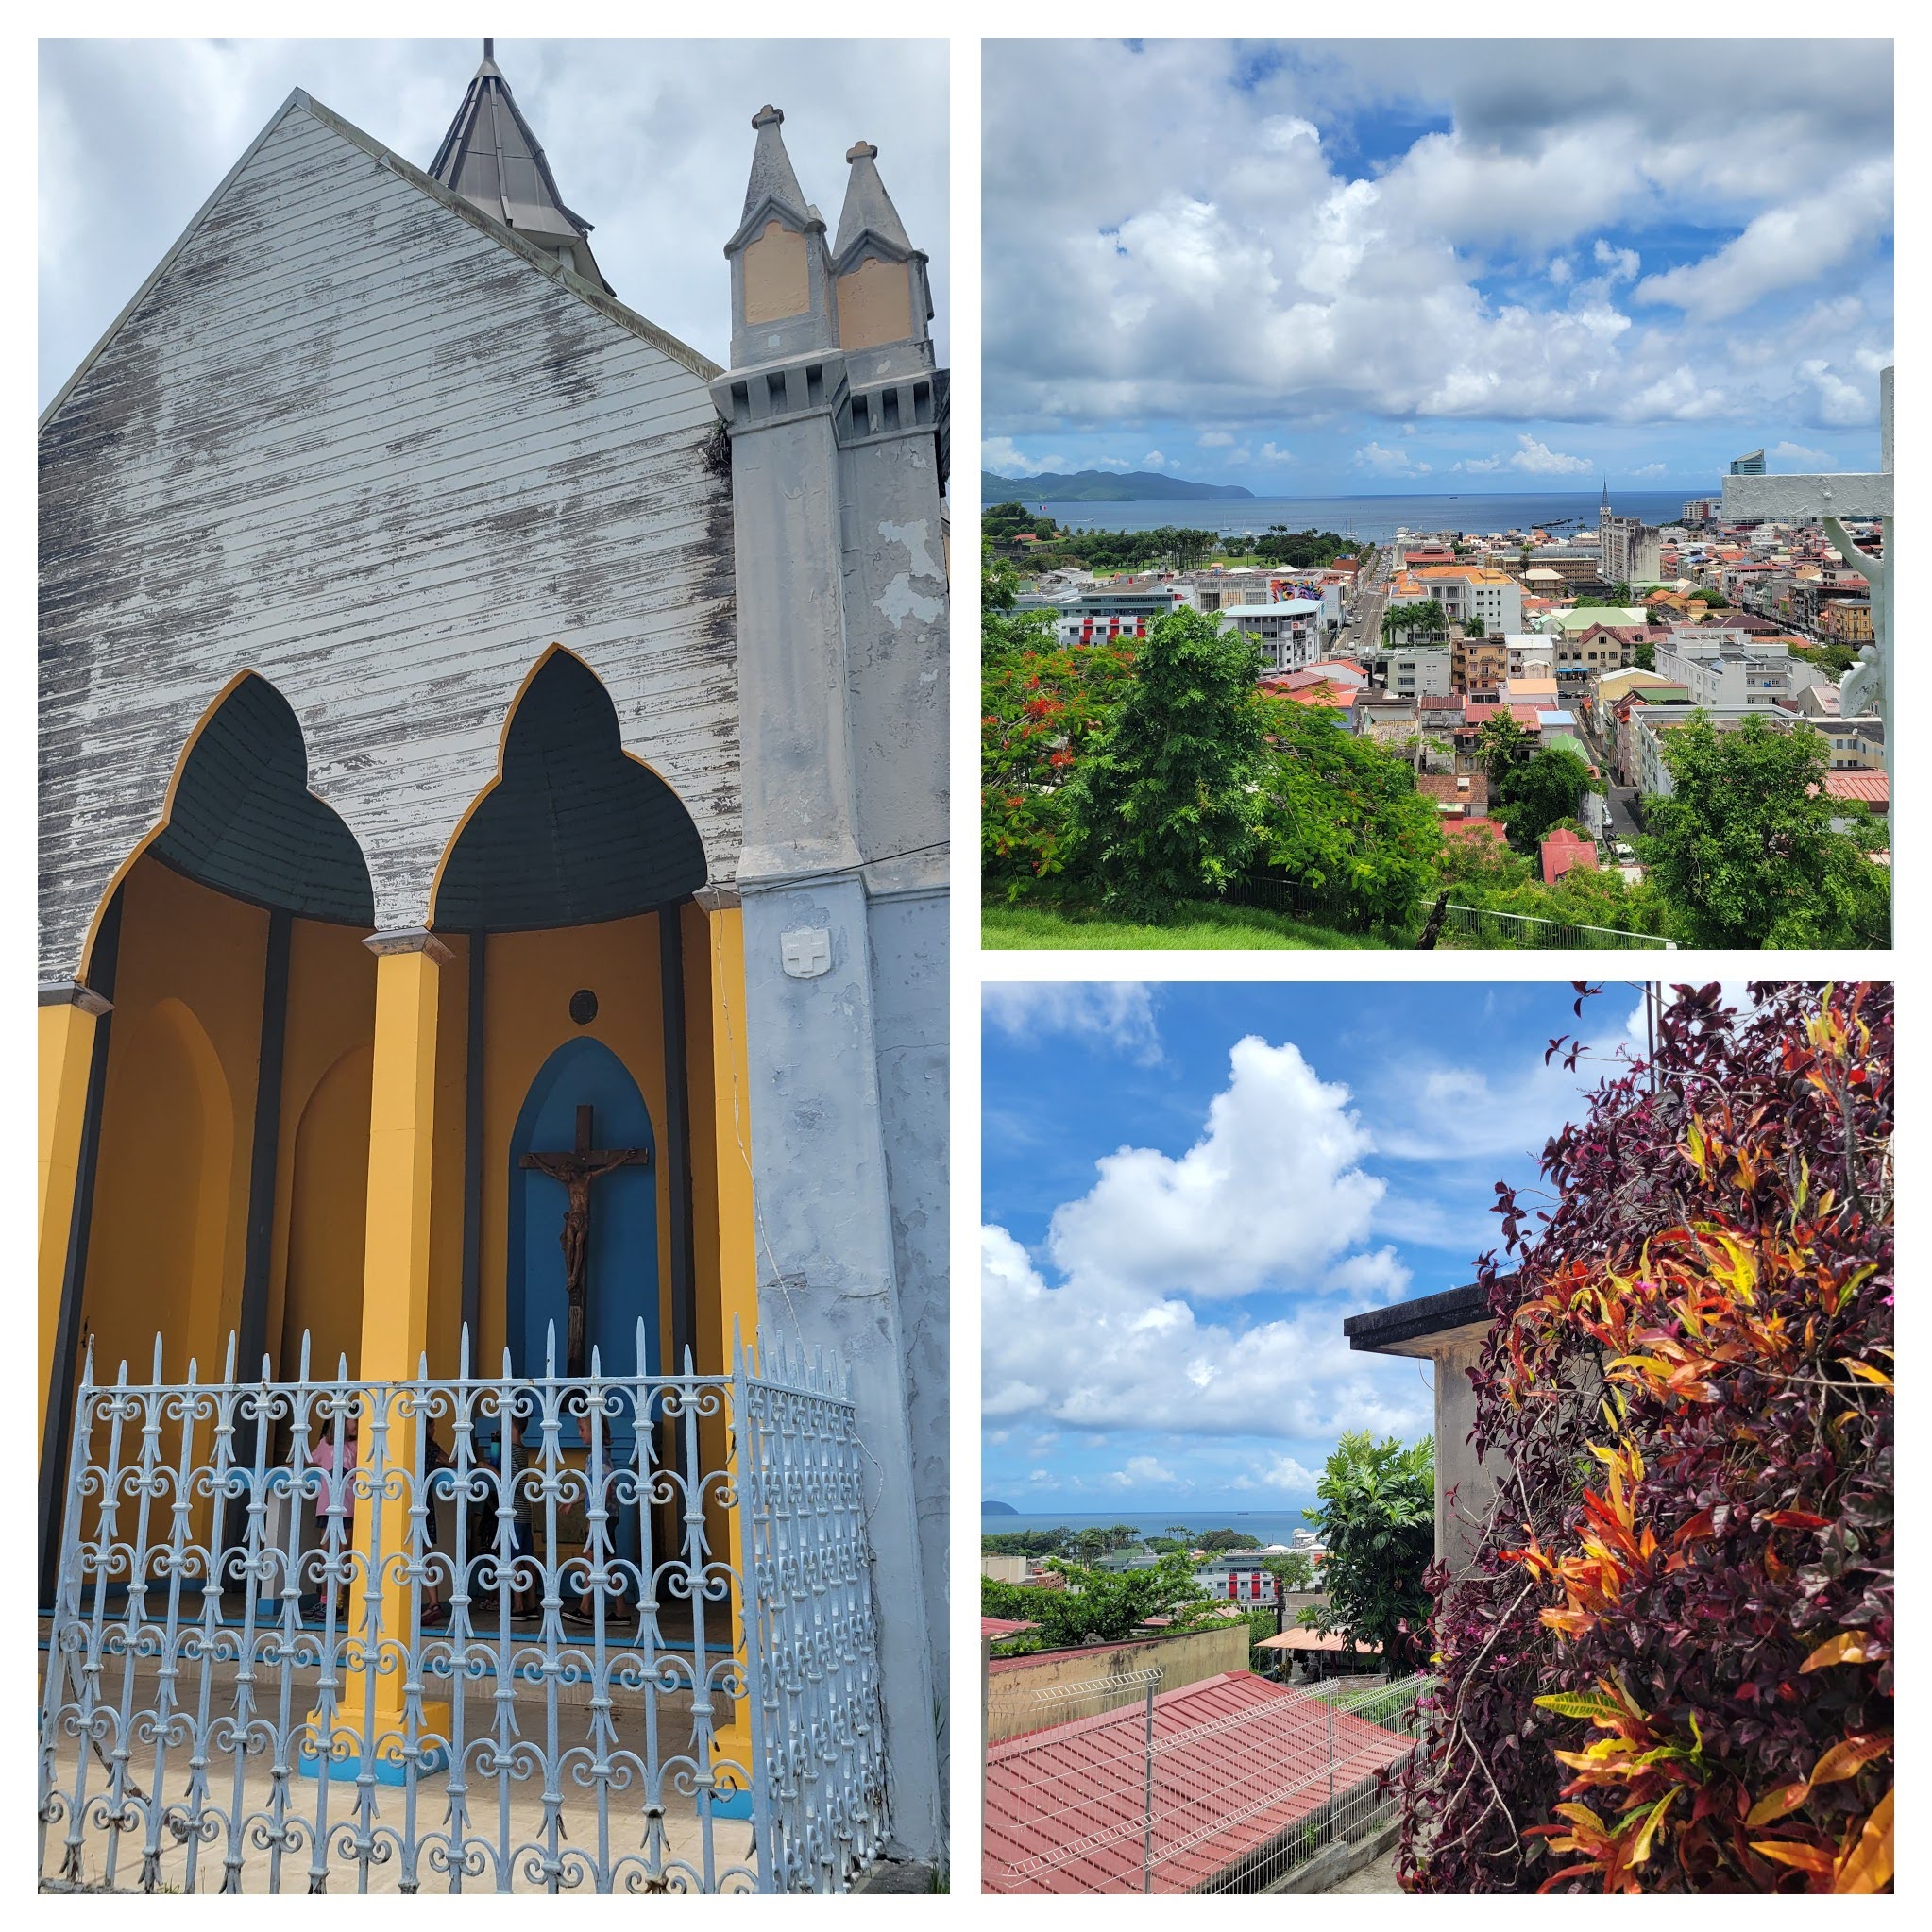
x: 603, y: 1633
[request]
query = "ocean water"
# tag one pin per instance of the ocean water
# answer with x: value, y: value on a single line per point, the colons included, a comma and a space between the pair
x: 1264, y: 1525
x: 1375, y: 519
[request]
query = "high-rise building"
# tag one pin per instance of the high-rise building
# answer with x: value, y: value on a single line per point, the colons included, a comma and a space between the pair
x: 1752, y: 465
x: 1631, y: 551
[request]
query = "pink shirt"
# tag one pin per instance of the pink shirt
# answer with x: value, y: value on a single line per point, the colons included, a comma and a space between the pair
x: 335, y: 1485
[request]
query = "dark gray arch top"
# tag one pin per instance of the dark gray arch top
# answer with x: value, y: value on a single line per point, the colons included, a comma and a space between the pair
x: 575, y: 832
x: 246, y: 822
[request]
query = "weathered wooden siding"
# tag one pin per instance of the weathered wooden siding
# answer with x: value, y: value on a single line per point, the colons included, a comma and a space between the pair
x: 355, y: 443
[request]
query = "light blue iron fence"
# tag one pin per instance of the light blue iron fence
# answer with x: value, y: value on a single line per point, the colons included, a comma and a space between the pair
x: 544, y: 1633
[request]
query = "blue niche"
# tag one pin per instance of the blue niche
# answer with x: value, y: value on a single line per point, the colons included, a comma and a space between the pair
x: 622, y: 1260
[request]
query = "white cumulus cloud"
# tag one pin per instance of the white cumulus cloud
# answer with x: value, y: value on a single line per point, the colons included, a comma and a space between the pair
x: 1784, y: 247
x: 1272, y: 1192
x: 1097, y: 1355
x: 1538, y: 459
x: 1000, y: 455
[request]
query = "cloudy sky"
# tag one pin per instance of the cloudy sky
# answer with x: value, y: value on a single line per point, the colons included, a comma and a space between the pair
x: 1398, y: 265
x: 650, y: 143
x: 1186, y: 1189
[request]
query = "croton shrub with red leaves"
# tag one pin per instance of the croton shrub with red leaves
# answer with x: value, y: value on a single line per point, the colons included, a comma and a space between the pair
x: 1669, y: 1666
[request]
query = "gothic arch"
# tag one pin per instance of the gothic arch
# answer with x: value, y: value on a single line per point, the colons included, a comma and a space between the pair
x: 572, y: 829
x: 238, y: 816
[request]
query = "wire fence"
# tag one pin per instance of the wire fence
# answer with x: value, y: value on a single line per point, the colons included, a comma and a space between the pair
x: 1462, y: 926
x: 1468, y: 926
x: 1231, y: 1786
x: 1289, y: 897
x: 517, y: 1632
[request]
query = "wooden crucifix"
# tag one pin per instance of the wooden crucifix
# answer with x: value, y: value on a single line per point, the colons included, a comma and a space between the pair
x: 577, y: 1170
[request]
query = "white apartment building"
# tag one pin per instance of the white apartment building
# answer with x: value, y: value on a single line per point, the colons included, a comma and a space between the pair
x: 1101, y: 613
x: 1491, y: 597
x: 1531, y: 655
x: 1731, y: 672
x: 1292, y: 634
x: 1421, y: 670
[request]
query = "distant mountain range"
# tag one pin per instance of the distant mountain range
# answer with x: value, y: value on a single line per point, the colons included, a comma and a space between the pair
x: 997, y: 1509
x: 1100, y: 487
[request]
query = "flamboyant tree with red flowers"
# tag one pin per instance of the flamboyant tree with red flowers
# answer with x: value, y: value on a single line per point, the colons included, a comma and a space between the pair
x: 1670, y: 1667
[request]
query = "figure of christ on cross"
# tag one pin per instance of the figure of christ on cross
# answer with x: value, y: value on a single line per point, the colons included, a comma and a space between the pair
x: 577, y: 1170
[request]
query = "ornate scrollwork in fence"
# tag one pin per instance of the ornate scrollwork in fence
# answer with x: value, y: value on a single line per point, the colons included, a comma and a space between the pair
x: 556, y: 1633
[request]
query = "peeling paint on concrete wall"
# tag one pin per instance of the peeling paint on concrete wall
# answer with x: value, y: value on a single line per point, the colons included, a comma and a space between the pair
x: 353, y: 442
x: 911, y: 1004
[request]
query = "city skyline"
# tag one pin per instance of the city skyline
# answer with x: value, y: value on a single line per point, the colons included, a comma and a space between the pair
x: 1400, y: 266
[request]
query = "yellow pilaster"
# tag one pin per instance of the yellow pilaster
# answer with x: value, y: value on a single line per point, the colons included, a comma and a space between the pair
x: 396, y: 1293
x: 66, y: 1052
x: 738, y: 1265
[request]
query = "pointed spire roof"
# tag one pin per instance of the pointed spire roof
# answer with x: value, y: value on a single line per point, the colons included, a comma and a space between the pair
x: 868, y: 208
x: 773, y: 177
x: 491, y: 158
x: 1607, y: 493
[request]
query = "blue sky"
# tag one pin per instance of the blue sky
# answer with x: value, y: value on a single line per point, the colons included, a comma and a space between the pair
x: 1185, y: 1190
x: 1401, y: 267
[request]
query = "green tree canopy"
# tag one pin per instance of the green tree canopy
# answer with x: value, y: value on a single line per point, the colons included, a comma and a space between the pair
x: 1003, y: 522
x: 1376, y: 1521
x: 1744, y: 848
x: 1215, y: 1540
x: 1341, y: 818
x: 1098, y: 1603
x: 1534, y: 795
x: 1163, y: 808
x: 1294, y: 1571
x: 1503, y: 744
x: 1004, y: 630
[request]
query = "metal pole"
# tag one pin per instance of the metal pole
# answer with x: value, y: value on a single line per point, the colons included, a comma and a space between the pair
x: 1147, y: 1845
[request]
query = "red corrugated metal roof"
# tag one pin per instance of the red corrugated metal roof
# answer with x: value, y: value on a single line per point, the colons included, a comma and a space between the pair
x: 1003, y: 1626
x: 1564, y: 849
x: 1872, y: 786
x: 1238, y: 1760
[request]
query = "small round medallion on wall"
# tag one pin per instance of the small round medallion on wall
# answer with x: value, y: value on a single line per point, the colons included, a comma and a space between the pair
x: 584, y: 1006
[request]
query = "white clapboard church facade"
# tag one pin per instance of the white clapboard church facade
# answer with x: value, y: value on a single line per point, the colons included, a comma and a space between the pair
x: 492, y: 1315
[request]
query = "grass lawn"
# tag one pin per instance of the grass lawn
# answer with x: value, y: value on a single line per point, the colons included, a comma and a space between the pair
x: 1036, y: 926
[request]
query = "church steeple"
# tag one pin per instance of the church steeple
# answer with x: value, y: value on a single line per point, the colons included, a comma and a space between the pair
x: 883, y: 294
x: 492, y: 159
x: 781, y: 294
